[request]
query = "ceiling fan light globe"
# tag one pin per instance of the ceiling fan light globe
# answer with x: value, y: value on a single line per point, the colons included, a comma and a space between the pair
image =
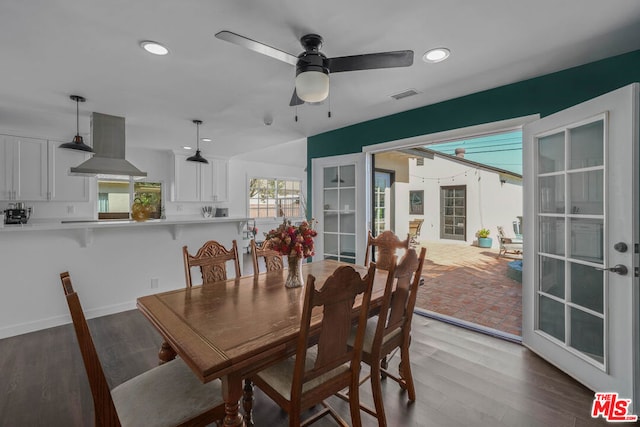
x: 312, y: 86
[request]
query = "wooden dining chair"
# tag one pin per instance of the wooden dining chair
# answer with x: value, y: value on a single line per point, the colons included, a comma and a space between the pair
x: 317, y: 373
x: 391, y: 329
x: 386, y: 245
x: 167, y: 395
x: 212, y: 259
x: 272, y: 259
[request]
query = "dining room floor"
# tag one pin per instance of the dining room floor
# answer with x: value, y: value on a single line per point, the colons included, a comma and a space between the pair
x: 470, y: 284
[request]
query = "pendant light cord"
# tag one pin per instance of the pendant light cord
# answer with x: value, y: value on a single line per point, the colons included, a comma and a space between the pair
x: 197, y: 136
x: 77, y: 117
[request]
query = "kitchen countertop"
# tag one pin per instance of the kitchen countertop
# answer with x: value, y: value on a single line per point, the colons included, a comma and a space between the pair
x: 87, y: 227
x: 37, y: 225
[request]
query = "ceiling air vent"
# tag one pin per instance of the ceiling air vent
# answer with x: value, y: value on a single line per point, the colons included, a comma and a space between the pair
x: 404, y: 94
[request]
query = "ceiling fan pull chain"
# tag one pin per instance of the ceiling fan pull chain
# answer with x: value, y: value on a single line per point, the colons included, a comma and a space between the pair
x: 296, y: 118
x: 329, y: 112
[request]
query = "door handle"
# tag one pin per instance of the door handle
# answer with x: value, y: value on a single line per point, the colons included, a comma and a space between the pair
x: 618, y: 268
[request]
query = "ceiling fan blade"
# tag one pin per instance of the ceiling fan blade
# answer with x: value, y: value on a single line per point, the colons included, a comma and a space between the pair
x: 295, y: 100
x: 399, y: 58
x: 257, y: 47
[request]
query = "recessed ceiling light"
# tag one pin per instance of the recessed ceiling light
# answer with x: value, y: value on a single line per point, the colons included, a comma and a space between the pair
x: 187, y: 148
x: 154, y: 47
x: 206, y: 140
x: 436, y: 55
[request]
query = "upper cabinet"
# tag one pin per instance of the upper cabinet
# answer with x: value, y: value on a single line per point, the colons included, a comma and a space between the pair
x: 199, y: 182
x: 24, y: 175
x: 62, y: 186
x: 220, y: 184
x: 35, y: 169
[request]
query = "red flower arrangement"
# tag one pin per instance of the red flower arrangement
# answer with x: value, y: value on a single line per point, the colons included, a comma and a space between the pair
x: 292, y: 240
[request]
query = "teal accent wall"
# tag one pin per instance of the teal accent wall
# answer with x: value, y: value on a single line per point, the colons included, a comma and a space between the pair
x: 544, y: 95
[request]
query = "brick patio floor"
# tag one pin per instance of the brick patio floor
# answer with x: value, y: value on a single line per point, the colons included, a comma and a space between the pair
x: 471, y: 284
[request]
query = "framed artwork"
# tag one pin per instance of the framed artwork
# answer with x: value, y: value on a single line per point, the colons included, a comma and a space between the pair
x: 416, y: 202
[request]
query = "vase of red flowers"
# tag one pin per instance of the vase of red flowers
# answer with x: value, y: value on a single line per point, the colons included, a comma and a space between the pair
x: 295, y: 242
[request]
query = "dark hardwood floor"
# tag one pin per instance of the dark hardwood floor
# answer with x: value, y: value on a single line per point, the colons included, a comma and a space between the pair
x: 462, y: 378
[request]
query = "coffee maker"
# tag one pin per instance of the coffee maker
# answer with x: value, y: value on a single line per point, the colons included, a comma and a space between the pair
x: 17, y: 213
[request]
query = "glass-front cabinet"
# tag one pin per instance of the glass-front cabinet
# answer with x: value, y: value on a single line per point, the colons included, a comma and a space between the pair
x: 339, y: 213
x: 338, y: 204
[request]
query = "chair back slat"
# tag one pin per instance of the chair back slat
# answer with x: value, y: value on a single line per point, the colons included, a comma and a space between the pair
x: 212, y: 259
x: 337, y: 298
x: 386, y: 245
x: 105, y: 411
x: 272, y: 259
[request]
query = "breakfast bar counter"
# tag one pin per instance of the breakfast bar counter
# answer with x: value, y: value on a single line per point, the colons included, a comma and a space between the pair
x: 112, y: 262
x: 86, y: 227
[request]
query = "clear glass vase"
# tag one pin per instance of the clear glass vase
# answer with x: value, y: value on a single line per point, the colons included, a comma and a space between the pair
x: 294, y: 279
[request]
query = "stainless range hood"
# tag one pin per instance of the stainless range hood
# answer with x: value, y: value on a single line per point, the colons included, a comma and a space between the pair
x: 108, y: 137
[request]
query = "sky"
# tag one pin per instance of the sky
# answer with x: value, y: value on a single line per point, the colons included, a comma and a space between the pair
x: 502, y: 151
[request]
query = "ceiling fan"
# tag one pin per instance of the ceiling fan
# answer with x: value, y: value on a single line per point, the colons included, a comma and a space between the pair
x: 313, y: 67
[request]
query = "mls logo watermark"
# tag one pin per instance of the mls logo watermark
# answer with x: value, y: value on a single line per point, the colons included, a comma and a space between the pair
x: 612, y: 409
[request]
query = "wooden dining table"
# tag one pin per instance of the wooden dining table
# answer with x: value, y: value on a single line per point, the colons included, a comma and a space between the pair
x: 231, y: 329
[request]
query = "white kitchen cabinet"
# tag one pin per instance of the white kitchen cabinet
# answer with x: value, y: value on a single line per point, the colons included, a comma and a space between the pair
x: 220, y: 175
x: 62, y: 186
x: 199, y: 182
x: 188, y: 182
x: 24, y: 175
x: 36, y: 169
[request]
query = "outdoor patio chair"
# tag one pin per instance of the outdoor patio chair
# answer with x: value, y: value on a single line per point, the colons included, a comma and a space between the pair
x: 508, y: 244
x: 414, y: 230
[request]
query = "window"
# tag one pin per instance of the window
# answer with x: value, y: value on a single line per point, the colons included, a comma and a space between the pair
x: 453, y: 211
x: 270, y: 198
x: 115, y: 198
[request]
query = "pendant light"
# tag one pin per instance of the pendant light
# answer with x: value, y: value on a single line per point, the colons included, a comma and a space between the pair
x: 77, y: 143
x: 197, y: 157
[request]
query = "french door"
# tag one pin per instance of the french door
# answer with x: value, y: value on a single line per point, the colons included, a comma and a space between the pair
x: 339, y: 205
x: 580, y: 290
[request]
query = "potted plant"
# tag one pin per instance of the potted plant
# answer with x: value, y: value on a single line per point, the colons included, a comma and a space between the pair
x: 484, y: 241
x: 143, y: 206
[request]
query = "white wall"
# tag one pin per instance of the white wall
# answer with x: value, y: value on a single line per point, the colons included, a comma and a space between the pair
x: 490, y: 203
x: 285, y: 161
x: 109, y: 274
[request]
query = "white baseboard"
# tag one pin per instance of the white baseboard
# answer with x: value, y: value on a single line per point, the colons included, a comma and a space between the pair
x: 51, y: 322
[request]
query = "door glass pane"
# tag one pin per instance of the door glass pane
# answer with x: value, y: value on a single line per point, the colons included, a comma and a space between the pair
x: 587, y: 334
x: 331, y: 244
x: 347, y: 199
x: 347, y: 246
x: 586, y: 239
x: 330, y: 199
x: 330, y: 177
x: 552, y: 276
x: 551, y: 195
x: 551, y: 153
x: 331, y: 222
x: 552, y: 235
x: 348, y: 176
x: 348, y: 223
x: 551, y: 317
x: 586, y: 145
x: 586, y: 192
x: 587, y: 287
